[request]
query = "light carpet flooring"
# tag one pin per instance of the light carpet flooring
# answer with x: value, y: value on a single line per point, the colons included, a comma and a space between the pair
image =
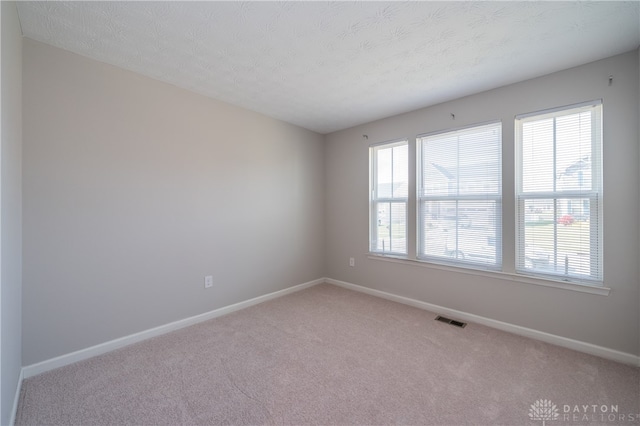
x: 326, y: 355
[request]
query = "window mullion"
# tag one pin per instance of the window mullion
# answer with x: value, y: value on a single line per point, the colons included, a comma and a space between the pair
x: 411, y: 210
x: 555, y: 189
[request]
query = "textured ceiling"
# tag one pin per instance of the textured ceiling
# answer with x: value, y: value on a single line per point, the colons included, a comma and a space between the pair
x: 332, y: 65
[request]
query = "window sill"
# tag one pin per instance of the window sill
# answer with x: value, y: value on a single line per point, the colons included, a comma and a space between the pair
x: 583, y: 288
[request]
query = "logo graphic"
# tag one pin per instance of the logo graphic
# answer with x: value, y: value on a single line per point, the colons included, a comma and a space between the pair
x: 543, y: 409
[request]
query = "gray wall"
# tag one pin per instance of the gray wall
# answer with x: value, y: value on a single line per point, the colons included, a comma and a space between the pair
x: 134, y: 190
x: 610, y: 321
x: 10, y: 209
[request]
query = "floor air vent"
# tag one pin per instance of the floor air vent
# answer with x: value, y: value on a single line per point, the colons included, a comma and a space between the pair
x: 450, y: 321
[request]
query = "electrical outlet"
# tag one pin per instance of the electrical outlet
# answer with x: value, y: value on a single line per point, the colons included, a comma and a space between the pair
x: 352, y: 262
x: 208, y: 281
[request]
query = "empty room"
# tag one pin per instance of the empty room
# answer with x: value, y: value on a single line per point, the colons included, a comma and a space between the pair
x: 337, y: 213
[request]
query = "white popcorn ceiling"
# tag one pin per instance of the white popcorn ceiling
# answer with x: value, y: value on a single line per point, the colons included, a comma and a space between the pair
x: 332, y: 65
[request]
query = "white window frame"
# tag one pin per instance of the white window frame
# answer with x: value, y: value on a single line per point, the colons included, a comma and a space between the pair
x: 594, y: 195
x: 375, y: 200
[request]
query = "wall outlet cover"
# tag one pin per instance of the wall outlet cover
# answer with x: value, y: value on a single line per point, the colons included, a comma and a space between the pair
x: 208, y: 281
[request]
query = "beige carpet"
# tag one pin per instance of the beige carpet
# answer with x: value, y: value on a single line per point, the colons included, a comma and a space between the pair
x: 327, y: 355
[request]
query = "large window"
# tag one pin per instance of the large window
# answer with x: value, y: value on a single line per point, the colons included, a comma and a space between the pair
x: 459, y: 196
x: 559, y: 193
x: 448, y: 209
x: 388, y: 202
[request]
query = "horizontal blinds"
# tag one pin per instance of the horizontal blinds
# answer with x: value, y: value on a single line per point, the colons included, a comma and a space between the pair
x: 559, y: 193
x: 459, y: 191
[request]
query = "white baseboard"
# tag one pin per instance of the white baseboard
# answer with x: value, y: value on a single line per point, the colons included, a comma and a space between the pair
x: 16, y: 399
x: 50, y: 364
x: 577, y: 345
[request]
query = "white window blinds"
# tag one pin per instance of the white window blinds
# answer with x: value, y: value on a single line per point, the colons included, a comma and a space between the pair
x: 460, y: 197
x: 559, y: 193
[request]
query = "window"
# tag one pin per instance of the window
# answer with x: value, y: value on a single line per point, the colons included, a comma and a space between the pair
x: 389, y: 192
x: 559, y: 193
x: 459, y: 196
x: 452, y: 215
